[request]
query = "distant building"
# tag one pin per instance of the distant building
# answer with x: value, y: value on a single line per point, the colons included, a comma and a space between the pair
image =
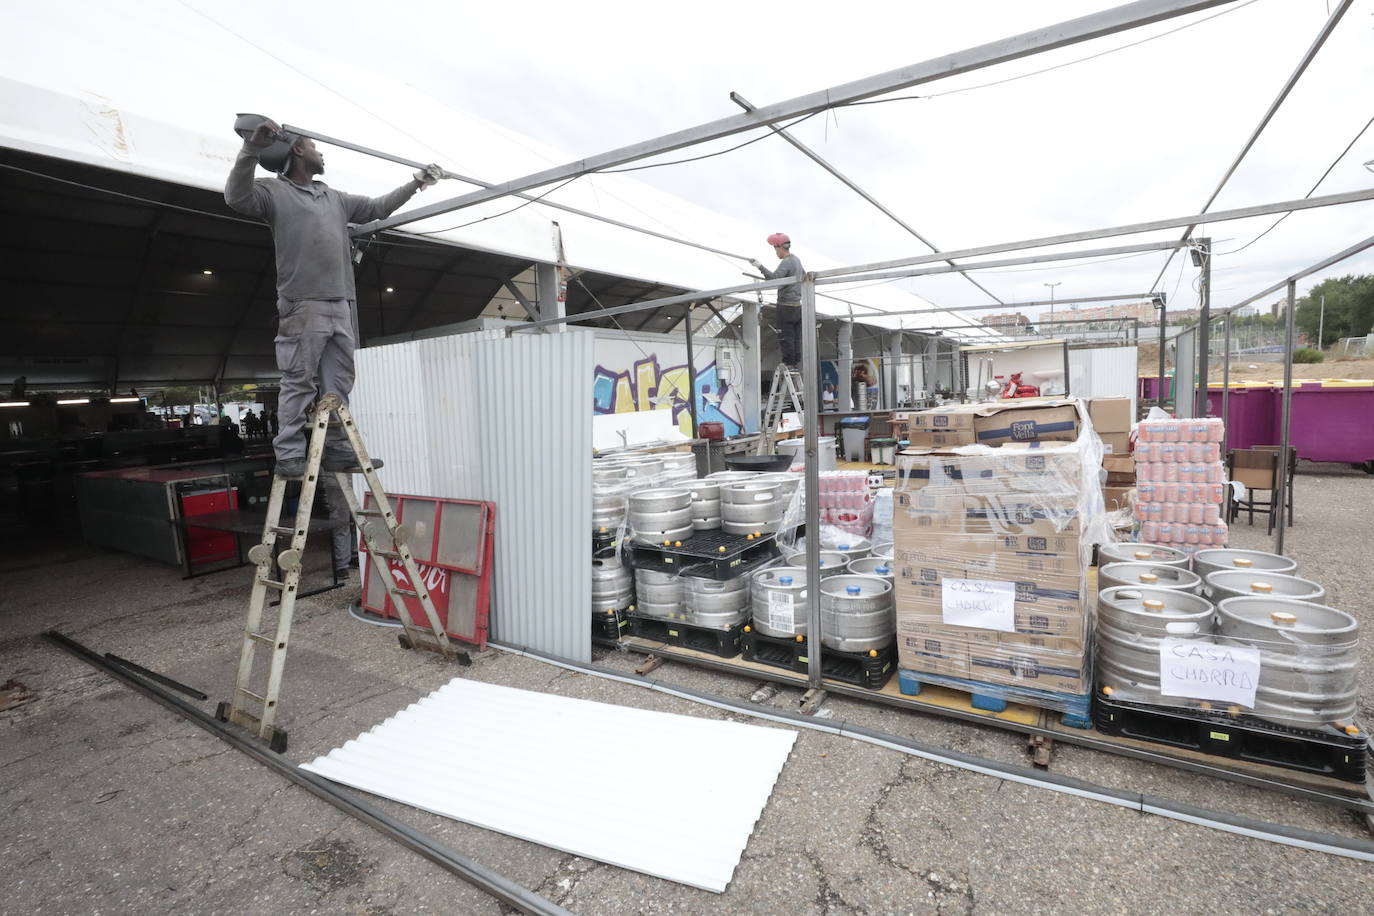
x: 1007, y: 321
x: 1140, y: 311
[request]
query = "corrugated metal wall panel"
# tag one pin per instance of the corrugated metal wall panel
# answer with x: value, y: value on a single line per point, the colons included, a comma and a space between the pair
x: 480, y: 416
x: 536, y: 390
x: 388, y: 405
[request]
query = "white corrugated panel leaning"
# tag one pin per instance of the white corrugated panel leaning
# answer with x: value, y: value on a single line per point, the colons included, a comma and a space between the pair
x: 530, y: 765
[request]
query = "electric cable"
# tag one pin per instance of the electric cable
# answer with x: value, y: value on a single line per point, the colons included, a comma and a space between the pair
x: 521, y: 206
x: 1310, y: 192
x: 738, y: 146
x: 135, y: 197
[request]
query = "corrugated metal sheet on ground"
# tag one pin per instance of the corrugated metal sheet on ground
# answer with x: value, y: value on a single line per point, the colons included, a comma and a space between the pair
x: 550, y: 770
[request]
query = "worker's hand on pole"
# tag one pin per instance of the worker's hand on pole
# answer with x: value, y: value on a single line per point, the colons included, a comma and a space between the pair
x: 266, y: 134
x: 757, y: 265
x: 429, y: 175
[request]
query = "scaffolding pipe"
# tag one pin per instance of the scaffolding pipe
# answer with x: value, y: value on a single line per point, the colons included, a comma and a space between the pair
x: 1281, y: 492
x: 1226, y: 387
x: 1324, y: 34
x: 844, y: 179
x: 810, y: 418
x: 1204, y: 327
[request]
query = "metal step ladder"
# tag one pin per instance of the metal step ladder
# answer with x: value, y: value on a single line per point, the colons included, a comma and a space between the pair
x: 256, y: 710
x: 786, y: 389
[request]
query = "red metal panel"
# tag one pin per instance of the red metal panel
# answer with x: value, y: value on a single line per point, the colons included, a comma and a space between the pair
x: 470, y: 620
x: 204, y: 545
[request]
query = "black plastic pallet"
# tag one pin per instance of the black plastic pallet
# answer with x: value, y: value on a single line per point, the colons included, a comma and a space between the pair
x: 721, y: 642
x: 604, y: 546
x: 786, y: 652
x: 870, y: 670
x: 1325, y: 751
x: 702, y: 552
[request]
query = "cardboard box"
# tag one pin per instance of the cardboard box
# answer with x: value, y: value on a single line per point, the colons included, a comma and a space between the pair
x: 1014, y: 467
x: 943, y: 419
x: 926, y: 438
x: 991, y: 556
x: 1047, y: 605
x: 986, y: 515
x: 931, y: 649
x: 1120, y: 470
x: 1115, y: 443
x: 1110, y: 415
x: 1062, y: 674
x: 1026, y: 420
x: 1116, y: 498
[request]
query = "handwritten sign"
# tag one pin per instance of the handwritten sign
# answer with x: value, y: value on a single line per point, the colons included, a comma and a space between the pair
x: 982, y: 603
x: 1205, y: 671
x: 781, y: 611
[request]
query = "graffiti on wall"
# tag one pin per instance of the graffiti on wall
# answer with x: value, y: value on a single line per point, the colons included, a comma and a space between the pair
x: 646, y: 385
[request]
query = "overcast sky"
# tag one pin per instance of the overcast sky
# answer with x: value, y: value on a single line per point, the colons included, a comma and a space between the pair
x: 1138, y: 133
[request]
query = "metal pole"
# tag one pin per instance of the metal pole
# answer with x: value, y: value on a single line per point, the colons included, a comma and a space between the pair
x: 468, y: 179
x: 1321, y: 324
x: 1052, y: 286
x: 1281, y: 492
x: 1226, y: 387
x: 1204, y: 327
x: 1047, y: 38
x: 691, y: 374
x: 1264, y: 121
x: 1163, y: 316
x: 810, y: 415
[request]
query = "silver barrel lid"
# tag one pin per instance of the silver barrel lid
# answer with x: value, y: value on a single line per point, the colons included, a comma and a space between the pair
x: 1261, y: 584
x: 1136, y: 552
x: 1219, y: 558
x: 855, y: 587
x: 1287, y: 619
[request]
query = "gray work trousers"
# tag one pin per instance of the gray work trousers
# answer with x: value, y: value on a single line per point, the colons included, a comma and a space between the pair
x: 315, y: 338
x: 343, y: 541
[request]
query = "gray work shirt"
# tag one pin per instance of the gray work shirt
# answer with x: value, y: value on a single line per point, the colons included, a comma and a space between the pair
x: 790, y: 266
x: 309, y: 226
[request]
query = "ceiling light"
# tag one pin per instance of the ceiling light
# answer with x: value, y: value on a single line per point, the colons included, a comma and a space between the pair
x: 207, y: 272
x: 75, y: 401
x: 126, y: 400
x: 390, y: 289
x: 14, y: 403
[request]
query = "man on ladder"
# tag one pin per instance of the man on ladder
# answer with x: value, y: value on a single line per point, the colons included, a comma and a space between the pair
x: 786, y: 388
x: 316, y: 296
x: 316, y: 336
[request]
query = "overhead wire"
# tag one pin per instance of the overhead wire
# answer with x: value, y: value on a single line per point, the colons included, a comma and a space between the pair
x: 1310, y: 192
x: 738, y: 146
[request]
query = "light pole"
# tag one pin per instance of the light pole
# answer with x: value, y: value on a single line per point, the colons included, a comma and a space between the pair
x: 1321, y: 323
x: 1052, y: 286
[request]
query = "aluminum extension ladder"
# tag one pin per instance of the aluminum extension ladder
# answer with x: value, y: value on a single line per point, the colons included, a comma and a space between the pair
x: 257, y: 711
x: 787, y: 383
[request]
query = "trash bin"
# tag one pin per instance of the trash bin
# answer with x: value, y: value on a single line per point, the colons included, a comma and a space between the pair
x: 884, y: 451
x: 853, y: 432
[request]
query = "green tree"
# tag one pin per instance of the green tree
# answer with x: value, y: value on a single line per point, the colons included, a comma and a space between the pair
x: 1349, y: 309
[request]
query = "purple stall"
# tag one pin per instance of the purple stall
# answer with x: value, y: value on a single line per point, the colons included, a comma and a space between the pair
x: 1333, y: 419
x: 1254, y: 409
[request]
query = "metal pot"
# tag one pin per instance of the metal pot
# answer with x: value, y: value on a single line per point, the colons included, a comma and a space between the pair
x: 825, y: 450
x: 705, y: 504
x: 748, y: 506
x: 1131, y: 621
x: 716, y: 602
x: 1131, y: 552
x: 1210, y: 561
x: 832, y: 562
x: 780, y: 601
x: 1236, y: 583
x: 731, y: 476
x: 609, y: 474
x: 857, y: 613
x: 1150, y: 575
x: 663, y: 514
x: 659, y: 594
x: 872, y: 566
x: 613, y: 586
x: 608, y: 512
x: 885, y: 549
x: 1309, y: 657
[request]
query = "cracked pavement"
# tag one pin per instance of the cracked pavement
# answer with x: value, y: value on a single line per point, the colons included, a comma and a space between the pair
x: 108, y: 803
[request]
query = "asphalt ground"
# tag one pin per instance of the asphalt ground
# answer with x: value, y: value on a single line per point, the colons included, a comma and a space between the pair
x: 110, y: 804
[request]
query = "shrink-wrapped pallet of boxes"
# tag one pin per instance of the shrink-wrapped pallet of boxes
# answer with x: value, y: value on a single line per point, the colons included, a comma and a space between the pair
x: 993, y: 545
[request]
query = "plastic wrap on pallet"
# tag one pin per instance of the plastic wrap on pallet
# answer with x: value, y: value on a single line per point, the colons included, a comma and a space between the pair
x: 992, y: 547
x: 1294, y: 663
x: 1181, y: 482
